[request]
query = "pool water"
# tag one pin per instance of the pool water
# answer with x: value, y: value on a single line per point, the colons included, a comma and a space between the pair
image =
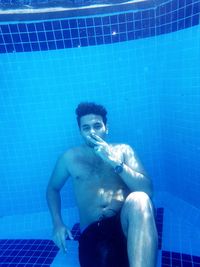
x: 143, y: 65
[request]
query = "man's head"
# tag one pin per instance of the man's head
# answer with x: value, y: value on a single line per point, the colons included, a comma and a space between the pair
x: 91, y: 120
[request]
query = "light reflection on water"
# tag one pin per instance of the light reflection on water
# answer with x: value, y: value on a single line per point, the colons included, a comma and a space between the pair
x: 38, y: 4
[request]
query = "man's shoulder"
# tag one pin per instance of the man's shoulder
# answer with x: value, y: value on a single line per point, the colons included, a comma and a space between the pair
x: 70, y: 152
x: 123, y: 149
x: 122, y: 146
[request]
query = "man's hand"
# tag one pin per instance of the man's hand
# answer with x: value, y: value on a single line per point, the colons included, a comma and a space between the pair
x: 103, y: 149
x: 59, y: 236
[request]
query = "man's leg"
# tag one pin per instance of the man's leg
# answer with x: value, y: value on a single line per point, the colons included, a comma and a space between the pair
x: 138, y: 224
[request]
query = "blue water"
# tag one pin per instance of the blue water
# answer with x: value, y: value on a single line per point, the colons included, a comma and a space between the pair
x: 151, y: 90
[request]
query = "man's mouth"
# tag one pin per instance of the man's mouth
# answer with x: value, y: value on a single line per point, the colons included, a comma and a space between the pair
x: 89, y: 142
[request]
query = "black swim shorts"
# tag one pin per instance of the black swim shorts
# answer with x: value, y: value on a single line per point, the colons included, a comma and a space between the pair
x: 103, y: 244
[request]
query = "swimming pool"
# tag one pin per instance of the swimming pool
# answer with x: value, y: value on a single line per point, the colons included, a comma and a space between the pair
x: 143, y: 65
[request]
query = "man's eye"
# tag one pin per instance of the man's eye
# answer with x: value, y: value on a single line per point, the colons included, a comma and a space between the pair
x: 86, y: 129
x: 97, y: 126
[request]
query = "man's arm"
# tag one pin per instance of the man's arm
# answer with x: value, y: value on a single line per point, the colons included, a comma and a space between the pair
x: 134, y: 174
x: 56, y: 182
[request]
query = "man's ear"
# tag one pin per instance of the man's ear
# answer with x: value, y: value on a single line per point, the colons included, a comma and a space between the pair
x: 107, y: 129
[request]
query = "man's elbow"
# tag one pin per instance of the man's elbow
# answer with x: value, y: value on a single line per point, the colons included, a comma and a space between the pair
x: 149, y: 190
x: 50, y: 191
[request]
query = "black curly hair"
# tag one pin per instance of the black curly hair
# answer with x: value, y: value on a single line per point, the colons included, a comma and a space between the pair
x: 86, y: 108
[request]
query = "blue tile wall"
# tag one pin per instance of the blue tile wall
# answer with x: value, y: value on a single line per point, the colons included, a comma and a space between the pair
x: 179, y: 259
x: 59, y: 34
x: 159, y: 225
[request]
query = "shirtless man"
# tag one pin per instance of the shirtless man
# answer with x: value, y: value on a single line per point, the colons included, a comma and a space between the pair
x: 113, y: 194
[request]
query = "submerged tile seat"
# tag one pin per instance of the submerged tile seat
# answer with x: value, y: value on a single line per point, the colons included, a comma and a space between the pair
x: 41, y: 252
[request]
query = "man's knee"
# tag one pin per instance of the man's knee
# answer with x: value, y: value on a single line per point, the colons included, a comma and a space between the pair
x: 138, y: 201
x: 137, y: 207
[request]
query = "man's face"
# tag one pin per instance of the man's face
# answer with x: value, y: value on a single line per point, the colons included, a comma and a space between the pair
x: 92, y: 124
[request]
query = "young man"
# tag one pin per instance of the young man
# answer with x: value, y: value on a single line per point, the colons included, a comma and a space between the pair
x: 113, y: 194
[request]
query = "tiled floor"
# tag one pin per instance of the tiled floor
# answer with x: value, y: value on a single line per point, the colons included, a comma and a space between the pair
x: 22, y: 252
x: 43, y: 253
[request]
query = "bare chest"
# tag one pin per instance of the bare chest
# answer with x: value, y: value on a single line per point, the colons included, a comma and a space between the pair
x: 91, y: 170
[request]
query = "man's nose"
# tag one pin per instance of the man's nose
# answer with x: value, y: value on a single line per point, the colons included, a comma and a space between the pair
x: 92, y: 131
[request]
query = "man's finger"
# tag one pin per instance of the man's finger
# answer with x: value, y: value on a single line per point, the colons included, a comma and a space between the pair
x: 70, y: 234
x: 98, y: 148
x: 97, y: 138
x: 63, y: 244
x: 92, y: 140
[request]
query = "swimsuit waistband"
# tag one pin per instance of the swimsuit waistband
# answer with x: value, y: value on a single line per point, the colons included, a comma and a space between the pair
x: 98, y: 222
